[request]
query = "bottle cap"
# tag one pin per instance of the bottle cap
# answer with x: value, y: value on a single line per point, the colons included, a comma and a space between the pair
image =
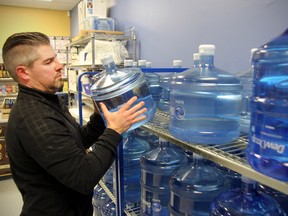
x: 148, y: 64
x: 207, y: 49
x: 128, y: 63
x: 196, y: 56
x: 106, y: 59
x: 177, y: 63
x: 142, y: 63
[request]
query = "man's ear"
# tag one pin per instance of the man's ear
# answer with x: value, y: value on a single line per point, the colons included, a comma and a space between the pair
x: 22, y: 73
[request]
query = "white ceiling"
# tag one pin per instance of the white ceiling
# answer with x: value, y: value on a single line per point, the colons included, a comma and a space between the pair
x: 43, y: 4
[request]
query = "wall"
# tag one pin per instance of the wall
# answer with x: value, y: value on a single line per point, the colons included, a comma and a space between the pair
x: 17, y: 19
x: 174, y: 29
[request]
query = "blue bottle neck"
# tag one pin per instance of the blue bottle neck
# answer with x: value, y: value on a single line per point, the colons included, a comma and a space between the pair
x: 206, y: 61
x: 110, y: 67
x: 249, y: 188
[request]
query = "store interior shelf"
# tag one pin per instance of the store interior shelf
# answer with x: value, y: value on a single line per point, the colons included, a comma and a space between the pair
x: 230, y: 155
x: 97, y: 36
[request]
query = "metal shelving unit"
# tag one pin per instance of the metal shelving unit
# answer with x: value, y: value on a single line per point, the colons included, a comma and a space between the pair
x: 231, y: 155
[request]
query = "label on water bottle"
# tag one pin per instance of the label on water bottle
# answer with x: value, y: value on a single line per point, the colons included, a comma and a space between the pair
x: 179, y: 111
x: 267, y: 141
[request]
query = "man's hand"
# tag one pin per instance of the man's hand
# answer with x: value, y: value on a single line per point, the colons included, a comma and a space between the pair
x: 121, y: 120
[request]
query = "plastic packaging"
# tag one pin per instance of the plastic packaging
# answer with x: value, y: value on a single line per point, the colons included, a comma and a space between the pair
x: 245, y: 201
x: 194, y: 186
x: 156, y: 168
x: 205, y: 102
x: 114, y: 87
x: 267, y: 150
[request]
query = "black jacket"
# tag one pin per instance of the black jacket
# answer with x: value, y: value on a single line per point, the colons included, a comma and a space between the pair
x: 48, y: 157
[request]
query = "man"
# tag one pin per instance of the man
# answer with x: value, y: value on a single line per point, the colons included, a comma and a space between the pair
x: 46, y: 146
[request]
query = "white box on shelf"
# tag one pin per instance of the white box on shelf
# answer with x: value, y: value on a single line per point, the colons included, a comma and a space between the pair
x: 95, y: 8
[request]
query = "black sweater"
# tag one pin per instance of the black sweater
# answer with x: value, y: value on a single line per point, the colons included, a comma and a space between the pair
x: 47, y: 153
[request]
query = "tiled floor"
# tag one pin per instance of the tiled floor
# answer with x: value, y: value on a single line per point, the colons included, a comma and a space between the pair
x: 10, y: 198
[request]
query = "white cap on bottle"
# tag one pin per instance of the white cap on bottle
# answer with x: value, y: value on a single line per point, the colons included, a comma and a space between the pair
x: 177, y: 63
x: 206, y: 49
x: 142, y: 63
x: 196, y: 56
x: 128, y: 63
x: 148, y: 64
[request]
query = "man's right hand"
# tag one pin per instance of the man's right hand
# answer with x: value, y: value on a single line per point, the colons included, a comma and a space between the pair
x: 122, y: 119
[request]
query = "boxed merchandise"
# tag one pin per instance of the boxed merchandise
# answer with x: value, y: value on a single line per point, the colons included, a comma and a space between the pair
x: 4, y: 161
x: 98, y: 23
x: 91, y: 8
x: 7, y: 105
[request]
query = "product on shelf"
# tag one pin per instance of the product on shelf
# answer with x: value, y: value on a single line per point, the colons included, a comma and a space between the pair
x: 133, y: 149
x: 194, y: 186
x: 267, y: 150
x: 245, y: 201
x: 114, y: 87
x: 205, y: 102
x: 156, y: 168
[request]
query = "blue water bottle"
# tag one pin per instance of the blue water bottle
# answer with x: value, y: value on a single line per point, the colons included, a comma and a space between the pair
x: 280, y: 197
x: 246, y: 78
x: 99, y: 198
x: 156, y: 168
x: 267, y: 150
x: 194, y: 186
x: 205, y: 102
x: 133, y: 149
x: 232, y: 178
x: 245, y: 201
x: 108, y: 208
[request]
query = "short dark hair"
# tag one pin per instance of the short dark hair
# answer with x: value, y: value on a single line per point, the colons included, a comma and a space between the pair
x: 18, y: 49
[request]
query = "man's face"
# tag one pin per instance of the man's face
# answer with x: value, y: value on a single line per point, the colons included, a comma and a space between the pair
x: 46, y: 71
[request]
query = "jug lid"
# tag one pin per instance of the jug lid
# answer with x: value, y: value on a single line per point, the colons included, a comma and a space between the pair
x: 107, y: 85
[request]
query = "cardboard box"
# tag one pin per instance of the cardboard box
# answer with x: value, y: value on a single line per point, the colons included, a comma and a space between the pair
x: 4, y: 160
x: 7, y: 104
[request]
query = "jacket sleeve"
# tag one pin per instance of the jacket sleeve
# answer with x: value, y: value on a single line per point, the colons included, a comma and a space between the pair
x: 55, y: 146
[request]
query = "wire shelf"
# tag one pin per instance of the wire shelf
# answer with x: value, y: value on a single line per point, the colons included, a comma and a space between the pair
x: 231, y: 155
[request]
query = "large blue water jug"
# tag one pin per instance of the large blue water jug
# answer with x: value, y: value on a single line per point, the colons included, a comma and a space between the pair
x: 133, y: 149
x: 245, y: 201
x: 156, y: 168
x: 114, y: 87
x: 232, y: 178
x: 267, y: 150
x: 108, y: 208
x: 205, y: 102
x: 99, y: 198
x: 246, y: 78
x: 194, y: 186
x: 280, y: 197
